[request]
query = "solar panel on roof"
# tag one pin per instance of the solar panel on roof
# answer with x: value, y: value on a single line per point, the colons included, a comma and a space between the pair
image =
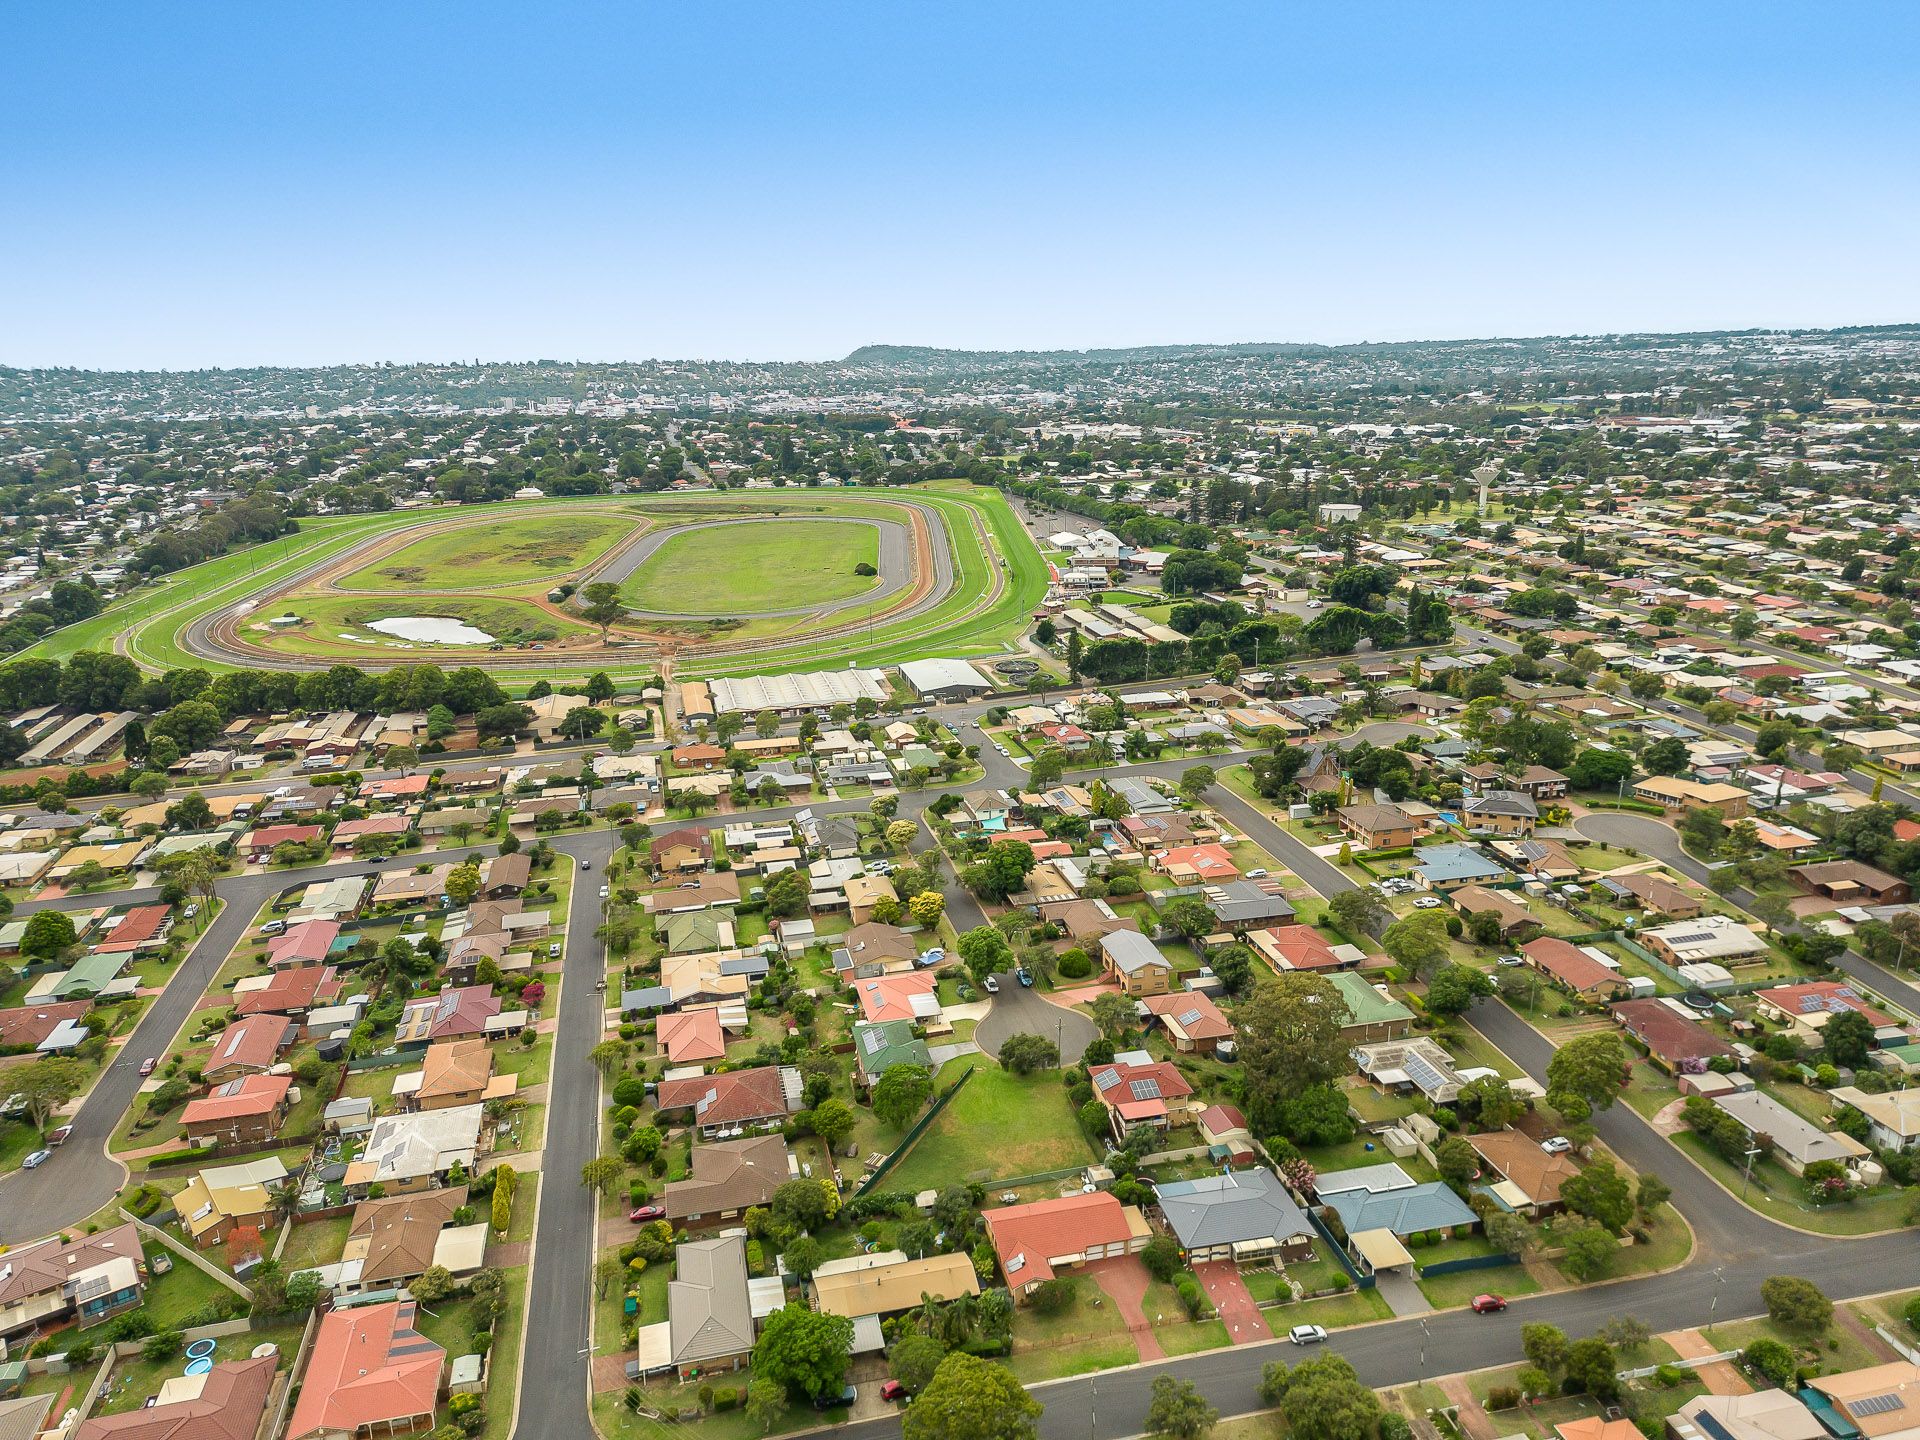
x: 873, y: 1041
x: 1877, y: 1404
x: 1187, y: 1017
x: 1422, y: 1071
x: 1106, y: 1079
x: 1144, y: 1089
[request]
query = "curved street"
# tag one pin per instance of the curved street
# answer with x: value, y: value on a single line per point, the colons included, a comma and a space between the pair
x: 1019, y: 1010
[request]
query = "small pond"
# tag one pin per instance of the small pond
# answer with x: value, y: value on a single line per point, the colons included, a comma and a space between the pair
x: 431, y: 630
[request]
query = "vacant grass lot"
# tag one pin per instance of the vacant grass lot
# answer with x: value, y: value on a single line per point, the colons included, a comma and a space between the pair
x: 755, y: 565
x: 997, y: 1127
x: 529, y: 550
x: 336, y: 624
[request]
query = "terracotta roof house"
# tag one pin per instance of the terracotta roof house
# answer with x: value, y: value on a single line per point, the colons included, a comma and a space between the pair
x: 506, y: 875
x: 1301, y: 947
x: 728, y: 1178
x: 1037, y: 1240
x: 454, y: 1012
x: 1674, y: 1041
x: 1136, y: 962
x: 680, y: 851
x: 260, y: 844
x: 244, y: 1110
x: 229, y: 1402
x: 736, y: 1100
x: 394, y: 1238
x: 1530, y: 1176
x: 291, y: 992
x: 308, y: 943
x: 87, y: 1279
x: 30, y: 1026
x: 1808, y: 1006
x: 1086, y: 920
x: 1573, y: 970
x: 910, y: 996
x: 1192, y: 1021
x: 1140, y: 1092
x: 1197, y: 864
x: 692, y: 1037
x: 142, y: 928
x: 370, y: 1372
x: 252, y: 1044
x: 454, y: 1072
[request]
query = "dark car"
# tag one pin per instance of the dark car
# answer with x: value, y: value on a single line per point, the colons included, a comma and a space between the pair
x: 59, y: 1137
x: 641, y: 1214
x: 839, y: 1401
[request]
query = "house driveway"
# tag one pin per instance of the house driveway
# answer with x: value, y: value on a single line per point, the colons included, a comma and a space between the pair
x: 1400, y: 1290
x: 941, y: 1054
x: 1123, y: 1279
x: 1228, y: 1292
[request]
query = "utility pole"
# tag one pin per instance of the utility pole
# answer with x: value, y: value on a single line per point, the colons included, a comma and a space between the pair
x: 1748, y: 1175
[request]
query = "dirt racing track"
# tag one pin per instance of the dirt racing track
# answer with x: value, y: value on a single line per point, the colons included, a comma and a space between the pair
x: 917, y: 587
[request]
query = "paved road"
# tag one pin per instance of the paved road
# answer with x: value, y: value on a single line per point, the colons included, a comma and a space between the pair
x: 1018, y: 1010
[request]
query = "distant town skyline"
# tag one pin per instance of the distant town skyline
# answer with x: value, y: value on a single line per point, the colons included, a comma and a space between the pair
x: 223, y: 186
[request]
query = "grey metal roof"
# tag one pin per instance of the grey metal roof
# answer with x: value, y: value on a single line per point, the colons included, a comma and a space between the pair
x: 1226, y: 1209
x: 708, y: 1313
x: 1432, y: 1206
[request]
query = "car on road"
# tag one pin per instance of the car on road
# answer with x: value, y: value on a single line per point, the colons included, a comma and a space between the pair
x: 36, y: 1160
x: 586, y: 864
x: 893, y: 1390
x: 641, y: 1214
x: 1314, y: 605
x: 1001, y: 748
x: 605, y: 891
x: 1024, y: 976
x: 1427, y: 902
x: 839, y: 1400
x: 1557, y: 1145
x: 149, y: 1065
x: 59, y: 1137
x: 1508, y: 960
x: 992, y: 985
x: 1307, y: 1334
x: 1488, y: 1304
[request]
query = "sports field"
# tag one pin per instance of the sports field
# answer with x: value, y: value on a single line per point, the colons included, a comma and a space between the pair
x: 529, y: 550
x: 755, y: 566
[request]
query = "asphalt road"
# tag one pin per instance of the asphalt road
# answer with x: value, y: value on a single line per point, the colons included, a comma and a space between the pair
x: 1019, y: 1010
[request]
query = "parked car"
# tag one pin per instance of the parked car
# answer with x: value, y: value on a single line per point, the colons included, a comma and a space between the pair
x: 845, y: 1396
x: 553, y: 950
x: 149, y: 1065
x: 1259, y: 872
x: 36, y: 1160
x: 605, y: 891
x: 1427, y: 902
x: 1307, y: 1334
x: 59, y: 1137
x: 893, y: 1390
x: 992, y: 985
x: 1024, y: 976
x: 1556, y: 1145
x: 274, y: 927
x: 641, y: 1214
x: 1508, y: 960
x: 1487, y: 1304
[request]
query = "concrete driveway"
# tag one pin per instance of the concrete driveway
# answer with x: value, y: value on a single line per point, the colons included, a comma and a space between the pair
x: 1017, y: 1010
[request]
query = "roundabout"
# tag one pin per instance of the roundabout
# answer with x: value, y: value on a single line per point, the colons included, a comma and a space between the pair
x: 710, y: 583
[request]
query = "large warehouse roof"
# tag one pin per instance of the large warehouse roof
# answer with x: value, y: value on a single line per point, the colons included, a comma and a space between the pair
x: 795, y: 692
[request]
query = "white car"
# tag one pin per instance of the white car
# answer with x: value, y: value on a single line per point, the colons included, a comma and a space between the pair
x: 1307, y: 1334
x: 1508, y: 960
x: 991, y: 985
x: 1259, y: 872
x: 1427, y: 902
x: 605, y: 892
x: 1556, y: 1145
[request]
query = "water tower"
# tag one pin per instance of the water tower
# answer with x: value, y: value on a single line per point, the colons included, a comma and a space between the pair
x: 1486, y: 475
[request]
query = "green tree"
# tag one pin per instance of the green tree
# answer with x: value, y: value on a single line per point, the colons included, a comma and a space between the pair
x: 49, y: 934
x: 1358, y: 911
x: 913, y: 1360
x: 463, y: 883
x: 803, y: 1351
x: 1847, y: 1038
x: 900, y: 1093
x: 972, y: 1399
x: 601, y: 605
x: 1491, y: 1102
x: 1324, y: 1400
x: 1177, y: 1410
x: 1454, y: 989
x: 1589, y: 1251
x: 602, y: 1173
x: 1458, y: 1162
x: 1545, y: 1346
x: 43, y: 1086
x: 1600, y: 1192
x: 833, y: 1120
x: 1418, y: 942
x: 1586, y: 1075
x: 1592, y: 1365
x: 1025, y: 1054
x: 1796, y: 1303
x: 766, y: 1402
x: 1291, y: 1036
x: 986, y: 952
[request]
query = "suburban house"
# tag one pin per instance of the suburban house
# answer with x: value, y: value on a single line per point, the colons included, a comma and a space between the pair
x: 1379, y: 1206
x: 1140, y: 1091
x: 1805, y: 1008
x: 911, y: 996
x: 457, y: 1011
x: 1876, y: 1403
x: 879, y: 1046
x: 1575, y: 970
x: 1136, y: 963
x: 728, y: 1178
x: 886, y: 1282
x: 416, y: 1150
x: 228, y: 1402
x: 1529, y: 1178
x: 1442, y: 868
x: 1711, y: 938
x: 1193, y: 1022
x: 1511, y: 911
x: 1036, y: 1240
x: 454, y: 1072
x: 370, y: 1372
x: 1373, y: 1014
x: 864, y: 892
x: 1301, y: 947
x: 683, y: 851
x: 222, y: 1198
x: 1672, y: 793
x: 1501, y: 812
x: 46, y: 1028
x: 1400, y: 1067
x: 288, y: 992
x: 692, y: 1037
x: 241, y: 1111
x: 1245, y: 1216
x: 1893, y: 1117
x: 1242, y: 905
x: 1197, y: 864
x: 1377, y: 827
x: 1674, y: 1040
x: 248, y: 1046
x: 1797, y: 1143
x: 393, y: 1240
x: 710, y: 1323
x: 309, y: 942
x: 1654, y: 894
x: 735, y: 1101
x: 1852, y: 883
x: 1759, y: 1415
x: 44, y: 1284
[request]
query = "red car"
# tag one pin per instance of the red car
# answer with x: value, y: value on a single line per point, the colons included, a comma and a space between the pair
x: 893, y: 1390
x: 1487, y: 1304
x: 147, y: 1066
x: 641, y: 1214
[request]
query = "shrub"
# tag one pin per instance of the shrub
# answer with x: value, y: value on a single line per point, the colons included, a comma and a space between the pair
x: 1395, y: 1426
x: 1161, y: 1257
x: 1912, y: 1313
x: 1503, y: 1397
x: 1074, y: 965
x: 1053, y: 1297
x: 1772, y: 1359
x: 630, y: 1090
x: 1192, y: 1297
x: 1668, y: 1376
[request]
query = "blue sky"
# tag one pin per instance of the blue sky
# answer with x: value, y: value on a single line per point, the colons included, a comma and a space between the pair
x: 200, y: 184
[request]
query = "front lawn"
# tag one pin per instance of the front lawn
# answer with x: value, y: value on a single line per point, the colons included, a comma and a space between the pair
x: 998, y: 1126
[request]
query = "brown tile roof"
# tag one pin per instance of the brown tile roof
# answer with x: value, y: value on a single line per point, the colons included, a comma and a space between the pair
x: 730, y: 1175
x: 1522, y: 1161
x: 399, y: 1233
x: 230, y: 1406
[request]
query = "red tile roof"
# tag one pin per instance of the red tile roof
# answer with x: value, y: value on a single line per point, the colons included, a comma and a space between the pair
x: 250, y: 1044
x: 369, y: 1367
x: 692, y: 1035
x: 728, y: 1099
x: 305, y: 943
x: 30, y: 1024
x: 1674, y: 1038
x: 1138, y: 1092
x: 1028, y: 1237
x: 301, y: 988
x: 231, y: 1403
x: 136, y: 927
x: 1206, y: 1022
x: 1569, y: 964
x: 249, y: 1095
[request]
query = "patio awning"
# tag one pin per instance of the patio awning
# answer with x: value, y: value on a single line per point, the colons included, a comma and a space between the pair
x: 655, y: 1348
x: 1381, y: 1249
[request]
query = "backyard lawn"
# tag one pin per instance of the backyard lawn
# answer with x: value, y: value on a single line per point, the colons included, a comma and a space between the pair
x: 999, y: 1126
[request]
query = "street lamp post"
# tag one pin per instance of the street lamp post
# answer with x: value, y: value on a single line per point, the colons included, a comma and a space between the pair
x: 1747, y: 1175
